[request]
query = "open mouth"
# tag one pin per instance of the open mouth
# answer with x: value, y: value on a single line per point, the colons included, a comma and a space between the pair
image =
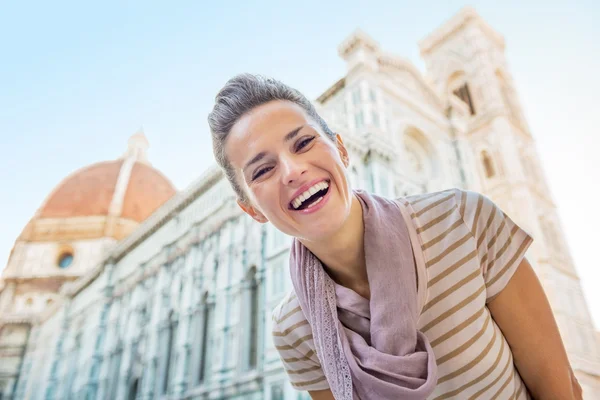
x: 310, y: 197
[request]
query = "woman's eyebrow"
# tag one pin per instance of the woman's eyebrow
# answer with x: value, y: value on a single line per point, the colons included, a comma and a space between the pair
x: 292, y: 134
x: 262, y: 154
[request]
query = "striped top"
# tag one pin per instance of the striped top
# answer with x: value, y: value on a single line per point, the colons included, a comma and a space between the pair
x: 466, y: 250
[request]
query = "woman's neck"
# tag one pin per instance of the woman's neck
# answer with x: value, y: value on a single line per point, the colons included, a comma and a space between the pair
x: 343, y: 254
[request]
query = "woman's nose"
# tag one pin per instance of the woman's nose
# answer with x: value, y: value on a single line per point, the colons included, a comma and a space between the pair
x: 292, y: 171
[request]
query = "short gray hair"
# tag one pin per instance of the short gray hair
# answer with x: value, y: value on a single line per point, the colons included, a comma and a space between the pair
x: 240, y: 95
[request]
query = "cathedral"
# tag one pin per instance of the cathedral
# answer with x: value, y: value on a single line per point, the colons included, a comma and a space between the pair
x: 121, y: 287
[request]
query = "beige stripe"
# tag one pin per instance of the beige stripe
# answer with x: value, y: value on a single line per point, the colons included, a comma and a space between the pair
x: 441, y: 237
x: 291, y: 328
x: 452, y: 268
x: 500, y: 375
x: 458, y: 328
x: 463, y: 204
x: 289, y: 314
x: 453, y: 309
x: 451, y: 290
x: 516, y: 386
x: 465, y: 346
x: 308, y: 383
x: 477, y: 212
x: 436, y: 220
x: 473, y: 363
x: 448, y: 250
x: 492, y: 242
x: 475, y: 381
x: 487, y: 226
x: 483, y: 260
x: 426, y: 197
x: 521, y: 385
x: 431, y: 206
x: 503, y: 248
x: 510, y: 263
x: 305, y: 357
x: 504, y: 385
x: 296, y: 343
x: 303, y: 370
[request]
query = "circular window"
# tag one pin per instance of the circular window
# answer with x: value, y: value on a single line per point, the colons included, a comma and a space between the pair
x: 65, y: 260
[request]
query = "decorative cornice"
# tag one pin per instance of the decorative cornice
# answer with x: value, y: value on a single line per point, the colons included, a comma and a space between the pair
x: 332, y: 91
x: 356, y: 39
x: 17, y: 319
x: 75, y: 228
x: 377, y: 144
x: 355, y: 143
x: 465, y: 16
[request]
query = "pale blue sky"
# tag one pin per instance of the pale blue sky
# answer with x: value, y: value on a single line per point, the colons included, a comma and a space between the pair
x: 76, y: 80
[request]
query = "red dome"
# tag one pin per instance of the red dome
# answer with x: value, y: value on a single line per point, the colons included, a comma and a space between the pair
x: 90, y: 192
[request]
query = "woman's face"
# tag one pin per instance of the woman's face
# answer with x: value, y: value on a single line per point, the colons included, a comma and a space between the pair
x: 294, y: 176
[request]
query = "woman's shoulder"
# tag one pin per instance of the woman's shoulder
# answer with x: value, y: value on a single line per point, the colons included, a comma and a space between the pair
x: 430, y: 197
x: 287, y: 309
x: 453, y: 198
x: 289, y: 322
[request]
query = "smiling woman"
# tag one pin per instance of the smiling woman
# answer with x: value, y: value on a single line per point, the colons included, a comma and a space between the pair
x: 426, y: 296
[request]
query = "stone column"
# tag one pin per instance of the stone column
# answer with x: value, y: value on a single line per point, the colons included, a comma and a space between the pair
x: 180, y: 382
x: 53, y: 382
x: 181, y: 341
x: 24, y: 370
x: 97, y: 357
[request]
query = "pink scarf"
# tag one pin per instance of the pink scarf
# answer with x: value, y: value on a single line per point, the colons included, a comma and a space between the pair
x: 369, y: 349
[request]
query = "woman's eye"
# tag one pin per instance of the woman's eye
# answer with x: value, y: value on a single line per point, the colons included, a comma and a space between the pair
x: 261, y: 172
x: 304, y: 142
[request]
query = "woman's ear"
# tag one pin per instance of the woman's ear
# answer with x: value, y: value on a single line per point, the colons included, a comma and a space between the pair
x: 253, y: 212
x: 342, y: 149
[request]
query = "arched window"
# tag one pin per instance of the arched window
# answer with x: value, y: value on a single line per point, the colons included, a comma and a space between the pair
x: 459, y: 94
x: 488, y: 166
x: 253, y: 319
x: 134, y: 389
x: 206, y: 325
x: 169, y: 340
x: 420, y: 157
x: 464, y: 94
x: 115, y: 366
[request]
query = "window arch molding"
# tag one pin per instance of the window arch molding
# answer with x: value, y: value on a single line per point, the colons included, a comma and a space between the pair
x: 421, y: 155
x: 488, y: 165
x: 460, y: 95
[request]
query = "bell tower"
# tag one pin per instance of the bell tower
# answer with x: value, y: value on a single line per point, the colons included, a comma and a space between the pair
x: 466, y: 62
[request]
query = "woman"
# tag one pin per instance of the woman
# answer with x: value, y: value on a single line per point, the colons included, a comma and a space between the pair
x: 429, y: 296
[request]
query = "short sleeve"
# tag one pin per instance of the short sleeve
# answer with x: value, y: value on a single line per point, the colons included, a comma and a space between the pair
x: 293, y: 339
x: 501, y: 244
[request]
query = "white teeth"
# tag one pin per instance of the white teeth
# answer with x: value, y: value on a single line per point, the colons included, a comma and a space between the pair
x: 297, y: 202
